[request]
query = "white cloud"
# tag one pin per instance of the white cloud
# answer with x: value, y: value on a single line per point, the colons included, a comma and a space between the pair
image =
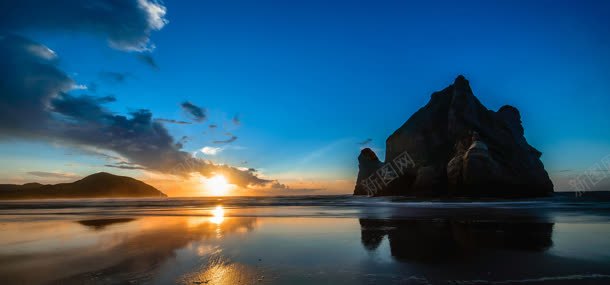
x: 42, y: 51
x: 156, y: 14
x: 210, y: 150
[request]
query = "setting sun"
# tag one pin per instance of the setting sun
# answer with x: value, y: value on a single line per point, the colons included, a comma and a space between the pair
x: 217, y: 185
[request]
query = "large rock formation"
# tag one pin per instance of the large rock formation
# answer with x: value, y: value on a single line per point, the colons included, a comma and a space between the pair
x: 368, y: 163
x: 457, y: 147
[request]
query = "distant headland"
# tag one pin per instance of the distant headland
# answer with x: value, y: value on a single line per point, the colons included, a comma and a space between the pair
x: 455, y: 146
x: 98, y: 185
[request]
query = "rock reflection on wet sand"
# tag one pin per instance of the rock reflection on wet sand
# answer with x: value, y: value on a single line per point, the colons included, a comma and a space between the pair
x: 100, y: 224
x: 432, y: 241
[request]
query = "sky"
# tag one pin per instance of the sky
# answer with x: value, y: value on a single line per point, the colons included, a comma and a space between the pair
x: 282, y: 95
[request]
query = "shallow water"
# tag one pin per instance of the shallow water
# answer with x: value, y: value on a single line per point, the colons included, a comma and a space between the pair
x: 306, y: 240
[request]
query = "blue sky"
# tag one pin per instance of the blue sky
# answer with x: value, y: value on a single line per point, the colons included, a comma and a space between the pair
x: 311, y: 79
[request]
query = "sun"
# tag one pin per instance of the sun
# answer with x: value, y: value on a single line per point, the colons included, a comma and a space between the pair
x: 217, y: 185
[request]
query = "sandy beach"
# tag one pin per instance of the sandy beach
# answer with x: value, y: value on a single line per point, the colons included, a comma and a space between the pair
x: 305, y: 240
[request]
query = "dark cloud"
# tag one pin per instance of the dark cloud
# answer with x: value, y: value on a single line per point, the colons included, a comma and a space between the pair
x: 38, y: 100
x: 29, y: 81
x: 229, y: 140
x: 236, y: 120
x: 277, y: 185
x: 197, y: 113
x: 213, y: 126
x: 240, y: 177
x: 148, y: 60
x: 126, y: 165
x: 172, y: 121
x: 83, y: 107
x: 37, y: 103
x: 365, y: 142
x: 113, y: 77
x: 59, y: 175
x: 126, y: 24
x: 180, y: 143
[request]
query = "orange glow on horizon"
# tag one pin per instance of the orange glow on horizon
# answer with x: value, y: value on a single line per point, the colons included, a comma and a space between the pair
x: 220, y: 184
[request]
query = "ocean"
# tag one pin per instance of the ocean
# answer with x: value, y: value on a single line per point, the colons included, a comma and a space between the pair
x: 306, y: 240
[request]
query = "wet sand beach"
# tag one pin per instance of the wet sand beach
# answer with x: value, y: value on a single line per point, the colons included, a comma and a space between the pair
x: 306, y: 240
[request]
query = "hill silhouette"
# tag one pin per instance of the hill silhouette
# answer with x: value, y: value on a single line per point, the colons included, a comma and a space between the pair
x: 98, y: 185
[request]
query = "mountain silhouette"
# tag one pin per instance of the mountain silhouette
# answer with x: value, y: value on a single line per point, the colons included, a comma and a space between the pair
x: 98, y: 185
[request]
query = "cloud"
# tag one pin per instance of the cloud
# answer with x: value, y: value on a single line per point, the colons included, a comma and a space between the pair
x: 236, y: 120
x: 113, y: 77
x: 230, y: 140
x: 148, y: 60
x: 30, y: 80
x: 172, y: 121
x: 213, y: 126
x: 58, y: 175
x: 127, y: 24
x: 239, y: 177
x: 37, y: 104
x: 126, y: 165
x: 210, y: 150
x: 197, y: 113
x: 365, y: 142
x: 277, y: 185
x: 83, y: 107
x: 182, y: 141
x: 89, y: 150
x: 39, y: 100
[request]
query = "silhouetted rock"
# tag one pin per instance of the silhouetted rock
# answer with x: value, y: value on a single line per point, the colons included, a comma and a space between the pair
x: 461, y: 148
x: 99, y: 185
x: 368, y: 163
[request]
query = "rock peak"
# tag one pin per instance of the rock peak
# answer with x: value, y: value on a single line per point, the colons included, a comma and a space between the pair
x: 460, y: 80
x: 368, y: 163
x: 457, y: 147
x: 461, y: 85
x: 368, y: 154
